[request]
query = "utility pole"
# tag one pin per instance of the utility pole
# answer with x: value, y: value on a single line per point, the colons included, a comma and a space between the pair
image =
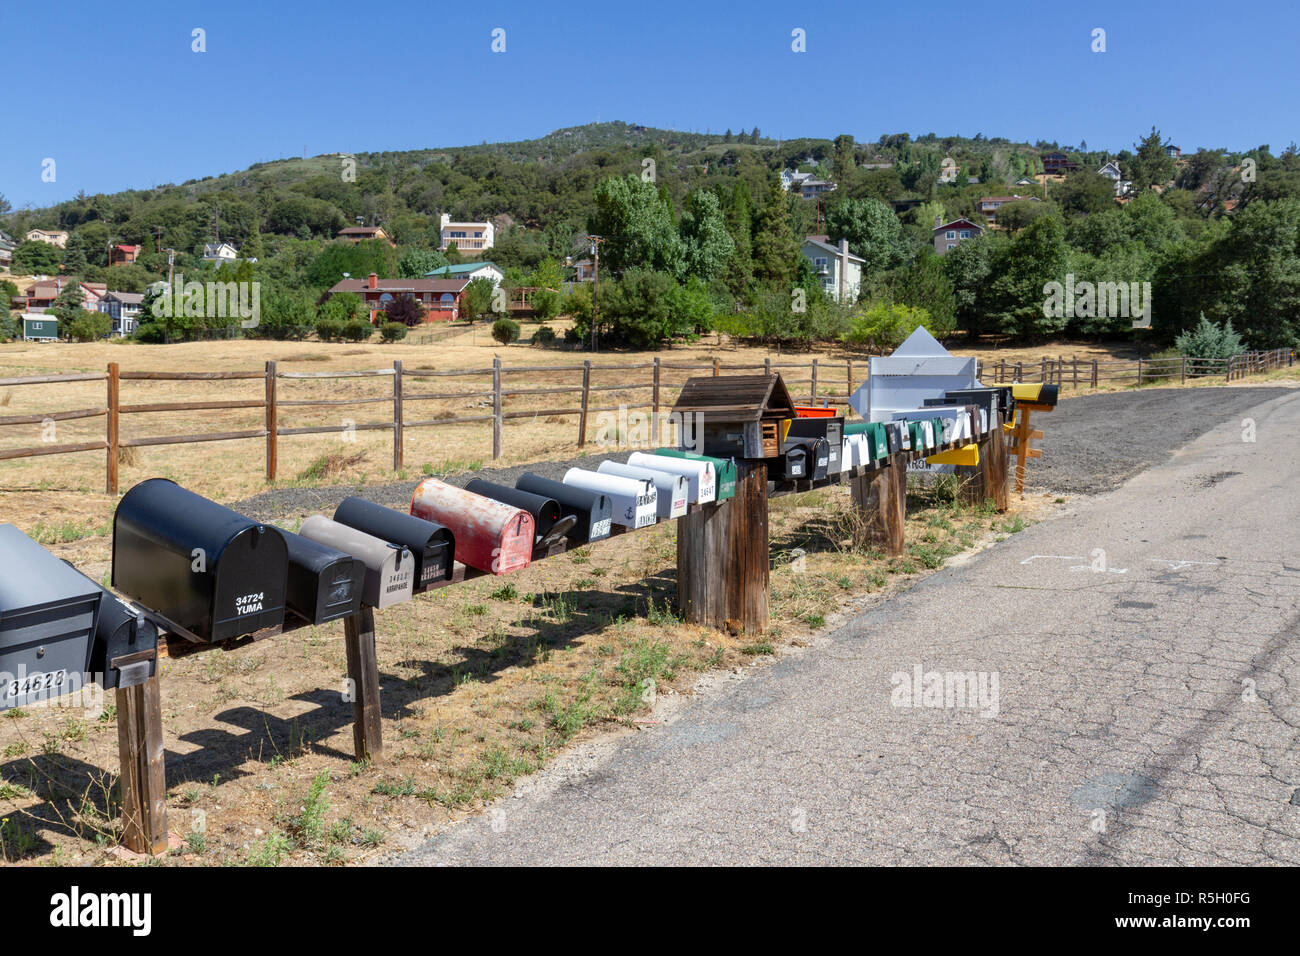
x: 595, y: 283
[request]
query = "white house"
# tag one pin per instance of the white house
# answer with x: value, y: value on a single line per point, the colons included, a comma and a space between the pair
x: 838, y: 270
x: 220, y: 252
x: 1112, y: 172
x: 468, y: 236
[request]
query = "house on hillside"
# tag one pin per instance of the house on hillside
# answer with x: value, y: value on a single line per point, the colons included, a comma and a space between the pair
x: 1058, y: 164
x: 440, y: 298
x: 55, y: 237
x: 988, y: 206
x: 469, y: 271
x: 40, y: 296
x: 121, y: 255
x: 355, y: 234
x: 1173, y: 151
x: 948, y: 234
x: 7, y: 247
x: 469, y: 236
x: 1112, y: 172
x: 124, y: 309
x: 838, y: 270
x: 812, y: 188
x: 583, y: 270
x: 220, y: 252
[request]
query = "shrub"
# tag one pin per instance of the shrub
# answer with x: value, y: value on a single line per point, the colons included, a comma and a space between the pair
x: 505, y: 331
x: 85, y: 326
x: 8, y: 325
x: 392, y: 332
x: 1209, y: 341
x: 329, y: 330
x: 545, y: 335
x: 546, y: 304
x: 357, y: 330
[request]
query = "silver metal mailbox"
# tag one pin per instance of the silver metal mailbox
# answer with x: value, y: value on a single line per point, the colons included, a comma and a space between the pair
x: 674, y: 491
x: 48, y: 614
x: 390, y: 568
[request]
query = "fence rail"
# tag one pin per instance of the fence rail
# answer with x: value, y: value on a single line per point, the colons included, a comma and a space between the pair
x: 821, y: 386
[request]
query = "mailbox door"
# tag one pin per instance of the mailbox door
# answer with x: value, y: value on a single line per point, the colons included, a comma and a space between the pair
x: 325, y: 584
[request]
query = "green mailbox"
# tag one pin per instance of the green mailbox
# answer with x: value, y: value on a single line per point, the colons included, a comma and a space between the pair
x: 857, y: 428
x: 877, y: 439
x: 917, y: 431
x: 725, y: 468
x: 937, y: 423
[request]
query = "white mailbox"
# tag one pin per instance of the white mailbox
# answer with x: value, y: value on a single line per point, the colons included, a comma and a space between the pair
x: 703, y: 477
x: 673, y: 490
x: 636, y: 500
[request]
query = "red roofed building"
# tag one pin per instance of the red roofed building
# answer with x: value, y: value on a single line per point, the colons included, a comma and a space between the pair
x: 440, y: 298
x: 122, y: 255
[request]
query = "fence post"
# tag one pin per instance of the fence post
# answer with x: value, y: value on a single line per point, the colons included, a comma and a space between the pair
x: 1075, y: 360
x: 1002, y: 371
x: 586, y: 393
x: 496, y: 408
x: 716, y: 369
x: 1139, y: 371
x: 272, y: 423
x: 1183, y: 379
x: 1042, y: 375
x: 654, y: 404
x: 1094, y: 373
x: 767, y: 365
x: 397, y: 415
x: 111, y: 459
x: 814, y: 382
x: 1020, y: 371
x: 849, y: 393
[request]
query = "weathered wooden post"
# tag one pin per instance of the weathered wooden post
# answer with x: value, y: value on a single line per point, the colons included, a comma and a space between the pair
x: 654, y: 405
x: 143, y: 781
x: 722, y: 557
x: 397, y: 415
x: 496, y: 408
x: 880, y: 500
x: 112, y: 436
x: 363, y: 672
x: 272, y: 423
x: 586, y: 399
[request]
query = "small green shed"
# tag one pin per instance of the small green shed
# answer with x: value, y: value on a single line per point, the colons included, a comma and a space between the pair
x: 40, y: 328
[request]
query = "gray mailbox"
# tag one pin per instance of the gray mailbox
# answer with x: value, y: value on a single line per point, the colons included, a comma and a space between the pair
x: 324, y: 583
x: 48, y: 613
x: 390, y: 568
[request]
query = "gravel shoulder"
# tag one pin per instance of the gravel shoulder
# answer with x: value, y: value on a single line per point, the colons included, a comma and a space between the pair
x: 1081, y: 454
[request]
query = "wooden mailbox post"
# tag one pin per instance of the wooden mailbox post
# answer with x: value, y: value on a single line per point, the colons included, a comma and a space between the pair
x: 722, y: 548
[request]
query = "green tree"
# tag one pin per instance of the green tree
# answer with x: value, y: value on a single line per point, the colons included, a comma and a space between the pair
x: 416, y: 263
x: 923, y: 285
x: 36, y: 258
x: 1151, y: 165
x: 343, y: 307
x: 706, y: 244
x: 776, y: 252
x: 405, y: 309
x: 968, y: 268
x: 872, y: 229
x: 476, y: 300
x: 884, y: 325
x: 637, y: 225
x: 1209, y: 341
x: 1085, y: 192
x: 1035, y: 257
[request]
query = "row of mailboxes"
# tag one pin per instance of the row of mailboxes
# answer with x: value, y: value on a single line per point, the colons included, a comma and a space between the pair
x: 700, y: 473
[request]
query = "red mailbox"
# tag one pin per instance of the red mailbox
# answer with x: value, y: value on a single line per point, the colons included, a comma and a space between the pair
x: 490, y: 535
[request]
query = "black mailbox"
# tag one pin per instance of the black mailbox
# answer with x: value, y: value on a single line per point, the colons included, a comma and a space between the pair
x: 125, y: 650
x: 432, y: 545
x: 324, y: 583
x: 48, y: 613
x: 211, y: 571
x: 991, y: 399
x: 818, y: 456
x: 593, y: 510
x: 832, y: 429
x: 791, y: 464
x: 544, y: 508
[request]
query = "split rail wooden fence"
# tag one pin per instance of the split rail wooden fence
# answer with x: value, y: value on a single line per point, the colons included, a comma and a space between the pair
x: 492, y: 395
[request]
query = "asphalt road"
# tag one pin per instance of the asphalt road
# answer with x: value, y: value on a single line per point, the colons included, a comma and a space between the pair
x: 1137, y: 706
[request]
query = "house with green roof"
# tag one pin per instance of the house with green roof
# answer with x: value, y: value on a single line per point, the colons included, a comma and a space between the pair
x: 469, y: 270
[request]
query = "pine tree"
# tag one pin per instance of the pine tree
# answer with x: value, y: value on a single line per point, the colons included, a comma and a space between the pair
x: 775, y: 249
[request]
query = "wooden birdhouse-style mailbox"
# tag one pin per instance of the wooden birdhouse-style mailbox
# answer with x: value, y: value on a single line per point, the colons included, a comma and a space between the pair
x: 390, y: 568
x: 735, y: 416
x: 432, y: 545
x: 48, y: 614
x: 325, y: 584
x: 593, y: 510
x: 490, y: 535
x: 210, y: 571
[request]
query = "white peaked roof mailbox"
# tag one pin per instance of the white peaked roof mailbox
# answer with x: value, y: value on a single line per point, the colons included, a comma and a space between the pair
x: 636, y: 500
x: 390, y: 568
x: 701, y: 474
x: 918, y: 369
x: 673, y: 491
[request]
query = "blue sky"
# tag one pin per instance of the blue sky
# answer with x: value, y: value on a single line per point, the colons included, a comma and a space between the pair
x: 115, y: 95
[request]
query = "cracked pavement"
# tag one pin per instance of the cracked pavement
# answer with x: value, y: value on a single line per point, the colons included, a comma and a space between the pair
x: 1141, y: 651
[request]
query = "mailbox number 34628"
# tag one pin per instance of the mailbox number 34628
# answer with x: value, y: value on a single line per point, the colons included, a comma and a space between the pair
x: 35, y: 682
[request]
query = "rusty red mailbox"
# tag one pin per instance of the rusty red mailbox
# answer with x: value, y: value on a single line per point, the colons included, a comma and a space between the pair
x: 490, y: 535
